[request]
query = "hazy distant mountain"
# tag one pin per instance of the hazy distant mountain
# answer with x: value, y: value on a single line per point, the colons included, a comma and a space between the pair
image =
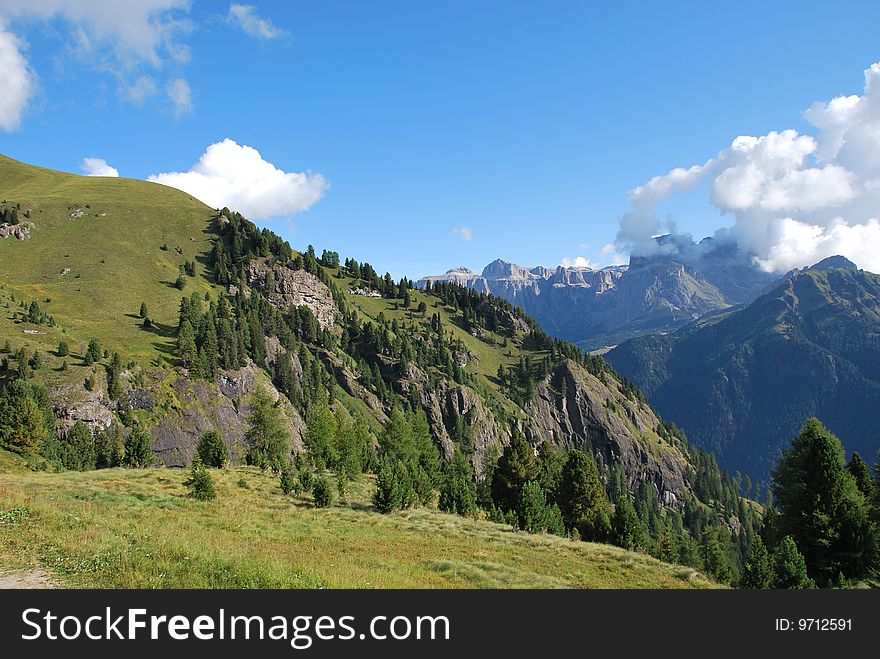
x: 743, y: 383
x: 682, y: 281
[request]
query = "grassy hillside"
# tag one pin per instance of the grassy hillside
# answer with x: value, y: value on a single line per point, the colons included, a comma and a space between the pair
x: 109, y: 233
x: 137, y: 529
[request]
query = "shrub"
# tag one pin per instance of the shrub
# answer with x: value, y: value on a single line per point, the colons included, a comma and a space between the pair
x: 212, y: 449
x: 322, y: 492
x: 200, y: 483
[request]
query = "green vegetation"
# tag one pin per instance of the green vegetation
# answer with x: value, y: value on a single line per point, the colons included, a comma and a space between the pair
x: 129, y: 528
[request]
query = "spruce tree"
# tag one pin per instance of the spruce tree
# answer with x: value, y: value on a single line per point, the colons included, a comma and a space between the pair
x: 861, y: 473
x: 759, y: 571
x: 789, y: 566
x: 821, y: 507
x: 138, y: 452
x: 212, y: 450
x: 582, y: 498
x: 458, y: 492
x: 266, y: 434
x: 322, y: 492
x: 626, y: 529
x: 288, y: 480
x: 516, y: 467
x: 200, y: 483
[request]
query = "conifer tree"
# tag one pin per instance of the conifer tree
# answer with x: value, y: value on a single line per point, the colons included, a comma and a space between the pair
x: 143, y: 311
x: 212, y: 450
x: 582, y: 497
x: 821, y: 507
x: 200, y: 483
x: 266, y: 434
x: 458, y: 492
x: 789, y: 566
x: 861, y: 473
x: 322, y: 492
x: 516, y: 467
x: 138, y: 452
x: 758, y: 572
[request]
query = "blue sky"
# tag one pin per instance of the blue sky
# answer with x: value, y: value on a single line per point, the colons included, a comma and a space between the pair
x: 525, y: 123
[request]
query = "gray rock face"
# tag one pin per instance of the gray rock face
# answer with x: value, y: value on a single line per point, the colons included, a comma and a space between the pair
x: 573, y: 409
x: 448, y: 401
x: 284, y: 287
x: 198, y: 406
x: 598, y: 307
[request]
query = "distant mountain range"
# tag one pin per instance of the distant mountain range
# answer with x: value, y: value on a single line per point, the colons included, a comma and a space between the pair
x: 594, y: 308
x: 742, y: 383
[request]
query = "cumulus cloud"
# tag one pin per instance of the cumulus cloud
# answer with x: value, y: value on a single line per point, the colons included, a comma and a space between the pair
x: 180, y: 95
x: 18, y: 83
x: 236, y: 176
x: 576, y: 262
x: 98, y: 167
x: 794, y: 198
x: 465, y: 233
x: 245, y: 17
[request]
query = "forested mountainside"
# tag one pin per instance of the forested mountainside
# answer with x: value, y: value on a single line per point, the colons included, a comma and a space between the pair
x: 595, y: 308
x: 141, y: 326
x: 741, y: 384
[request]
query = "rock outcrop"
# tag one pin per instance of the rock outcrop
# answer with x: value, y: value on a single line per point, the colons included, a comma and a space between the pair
x: 284, y: 287
x: 573, y: 409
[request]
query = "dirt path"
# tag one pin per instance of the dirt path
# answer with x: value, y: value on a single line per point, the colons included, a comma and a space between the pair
x: 27, y: 579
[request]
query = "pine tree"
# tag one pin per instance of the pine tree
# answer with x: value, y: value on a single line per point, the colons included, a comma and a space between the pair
x: 63, y: 349
x: 143, y: 312
x: 266, y: 434
x: 78, y: 448
x: 759, y: 572
x: 789, y: 566
x: 212, y: 450
x: 626, y: 529
x: 715, y: 559
x: 288, y: 481
x: 516, y: 467
x: 582, y: 497
x: 534, y: 514
x: 458, y: 492
x: 200, y: 483
x: 322, y: 492
x: 821, y: 507
x: 393, y: 489
x: 138, y: 452
x: 320, y: 437
x: 23, y: 426
x: 861, y: 473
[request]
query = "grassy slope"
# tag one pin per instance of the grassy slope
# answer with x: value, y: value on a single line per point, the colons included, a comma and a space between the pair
x: 124, y: 227
x: 136, y: 528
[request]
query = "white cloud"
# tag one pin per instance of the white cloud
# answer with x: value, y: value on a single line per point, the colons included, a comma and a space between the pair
x: 135, y: 30
x: 18, y: 83
x: 465, y: 233
x: 180, y: 96
x: 795, y: 199
x: 140, y: 90
x: 98, y: 167
x: 236, y: 176
x: 576, y: 262
x: 118, y: 38
x: 245, y: 17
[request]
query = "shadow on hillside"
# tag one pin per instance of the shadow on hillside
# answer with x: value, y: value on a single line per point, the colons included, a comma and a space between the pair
x: 164, y: 330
